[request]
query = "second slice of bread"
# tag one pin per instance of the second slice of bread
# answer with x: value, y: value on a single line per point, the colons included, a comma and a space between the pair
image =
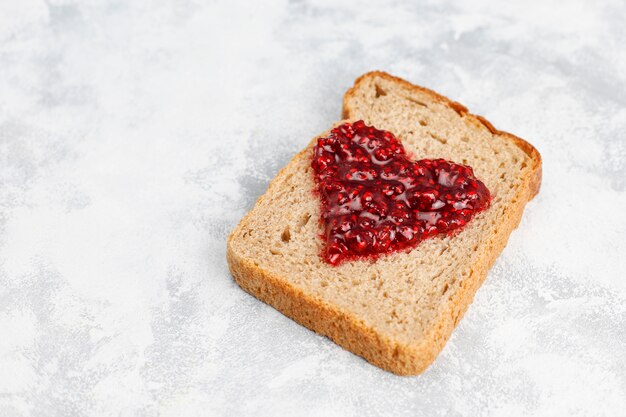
x: 398, y: 311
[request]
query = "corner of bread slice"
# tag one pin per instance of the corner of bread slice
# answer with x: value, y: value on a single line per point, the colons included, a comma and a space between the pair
x: 341, y: 326
x: 375, y: 84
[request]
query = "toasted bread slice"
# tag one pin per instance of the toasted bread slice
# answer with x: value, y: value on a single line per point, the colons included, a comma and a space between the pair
x: 398, y: 311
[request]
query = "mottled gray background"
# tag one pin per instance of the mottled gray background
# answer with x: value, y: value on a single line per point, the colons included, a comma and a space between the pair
x: 133, y: 137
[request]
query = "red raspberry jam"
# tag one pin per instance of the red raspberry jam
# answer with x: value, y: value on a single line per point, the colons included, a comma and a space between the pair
x: 376, y: 200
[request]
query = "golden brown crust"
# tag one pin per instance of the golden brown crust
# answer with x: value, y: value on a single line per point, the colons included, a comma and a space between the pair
x: 349, y: 331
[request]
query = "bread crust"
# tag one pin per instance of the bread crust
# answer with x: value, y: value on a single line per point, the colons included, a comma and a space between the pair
x: 349, y: 331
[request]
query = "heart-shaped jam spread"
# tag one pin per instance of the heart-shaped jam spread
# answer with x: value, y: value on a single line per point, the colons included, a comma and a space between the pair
x: 376, y: 200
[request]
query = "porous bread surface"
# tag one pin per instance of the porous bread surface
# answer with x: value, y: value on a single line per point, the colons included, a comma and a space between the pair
x: 399, y: 310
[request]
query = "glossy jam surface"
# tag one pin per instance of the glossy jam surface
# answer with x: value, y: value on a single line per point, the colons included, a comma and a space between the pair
x: 376, y: 200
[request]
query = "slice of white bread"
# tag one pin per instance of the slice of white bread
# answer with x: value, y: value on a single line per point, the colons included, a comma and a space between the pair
x: 396, y: 312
